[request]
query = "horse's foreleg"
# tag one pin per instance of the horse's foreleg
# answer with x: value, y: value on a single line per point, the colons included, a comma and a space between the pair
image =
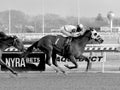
x: 88, y: 64
x: 73, y: 60
x: 2, y: 63
x: 87, y: 60
x: 55, y: 62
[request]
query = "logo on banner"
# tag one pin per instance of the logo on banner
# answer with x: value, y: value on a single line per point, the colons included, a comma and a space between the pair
x: 34, y: 61
x: 92, y: 58
x: 21, y: 62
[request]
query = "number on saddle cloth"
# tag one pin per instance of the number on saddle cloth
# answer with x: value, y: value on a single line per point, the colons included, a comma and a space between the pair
x: 62, y: 43
x: 68, y: 41
x: 59, y: 41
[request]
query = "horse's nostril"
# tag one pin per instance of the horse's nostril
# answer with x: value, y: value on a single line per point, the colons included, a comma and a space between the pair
x: 102, y: 40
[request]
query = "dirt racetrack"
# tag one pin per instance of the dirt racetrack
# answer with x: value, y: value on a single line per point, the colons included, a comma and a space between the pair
x: 52, y: 81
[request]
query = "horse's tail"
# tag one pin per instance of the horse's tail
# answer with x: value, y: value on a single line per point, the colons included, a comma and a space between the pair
x: 29, y: 50
x: 34, y: 45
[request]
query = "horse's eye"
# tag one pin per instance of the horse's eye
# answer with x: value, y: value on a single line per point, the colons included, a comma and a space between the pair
x: 95, y: 34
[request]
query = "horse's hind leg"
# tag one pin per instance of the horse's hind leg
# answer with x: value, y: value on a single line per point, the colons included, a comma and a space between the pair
x: 48, y: 57
x: 55, y: 62
x: 48, y: 52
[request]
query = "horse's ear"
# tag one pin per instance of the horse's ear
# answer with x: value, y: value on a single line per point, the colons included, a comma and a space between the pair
x: 91, y: 28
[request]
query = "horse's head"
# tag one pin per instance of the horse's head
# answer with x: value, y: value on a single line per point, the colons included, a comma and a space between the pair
x: 96, y: 36
x: 17, y: 43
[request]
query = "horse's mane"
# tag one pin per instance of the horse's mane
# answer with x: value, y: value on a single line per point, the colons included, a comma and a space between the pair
x: 84, y: 35
x: 86, y: 32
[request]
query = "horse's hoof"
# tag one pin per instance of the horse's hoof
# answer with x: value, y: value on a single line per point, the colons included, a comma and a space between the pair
x: 66, y: 66
x: 15, y: 73
x: 57, y: 71
x: 65, y: 73
x: 86, y: 70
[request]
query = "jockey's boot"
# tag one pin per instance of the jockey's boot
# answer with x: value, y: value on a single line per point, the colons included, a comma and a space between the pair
x: 67, y: 45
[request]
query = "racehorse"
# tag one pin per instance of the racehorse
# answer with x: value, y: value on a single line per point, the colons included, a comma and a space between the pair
x: 52, y: 45
x: 8, y: 42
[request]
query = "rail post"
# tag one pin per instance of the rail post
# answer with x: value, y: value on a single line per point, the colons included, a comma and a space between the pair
x: 103, y: 61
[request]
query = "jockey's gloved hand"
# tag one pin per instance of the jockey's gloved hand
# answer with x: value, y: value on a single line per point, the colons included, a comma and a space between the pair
x: 76, y: 34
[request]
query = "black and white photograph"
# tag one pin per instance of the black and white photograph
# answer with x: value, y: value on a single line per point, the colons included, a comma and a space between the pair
x: 59, y: 45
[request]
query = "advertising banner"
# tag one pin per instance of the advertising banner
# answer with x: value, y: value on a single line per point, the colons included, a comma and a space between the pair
x: 94, y: 57
x: 34, y: 61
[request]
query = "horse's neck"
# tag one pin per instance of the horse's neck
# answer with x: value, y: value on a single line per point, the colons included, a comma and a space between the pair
x: 82, y: 41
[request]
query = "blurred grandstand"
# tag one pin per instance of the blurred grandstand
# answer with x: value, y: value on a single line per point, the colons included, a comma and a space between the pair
x: 29, y: 38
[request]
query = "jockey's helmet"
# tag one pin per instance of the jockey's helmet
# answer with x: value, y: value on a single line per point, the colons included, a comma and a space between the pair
x: 80, y: 27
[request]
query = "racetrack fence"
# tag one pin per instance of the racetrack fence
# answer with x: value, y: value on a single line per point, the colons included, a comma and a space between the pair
x: 103, y: 57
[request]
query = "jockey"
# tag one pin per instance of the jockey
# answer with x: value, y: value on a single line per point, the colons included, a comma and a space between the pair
x: 70, y: 31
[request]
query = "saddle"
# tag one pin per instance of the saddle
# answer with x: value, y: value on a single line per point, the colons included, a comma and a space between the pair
x: 65, y: 46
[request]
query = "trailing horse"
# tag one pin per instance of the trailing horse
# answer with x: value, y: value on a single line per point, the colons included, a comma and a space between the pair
x: 52, y: 45
x: 8, y: 42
